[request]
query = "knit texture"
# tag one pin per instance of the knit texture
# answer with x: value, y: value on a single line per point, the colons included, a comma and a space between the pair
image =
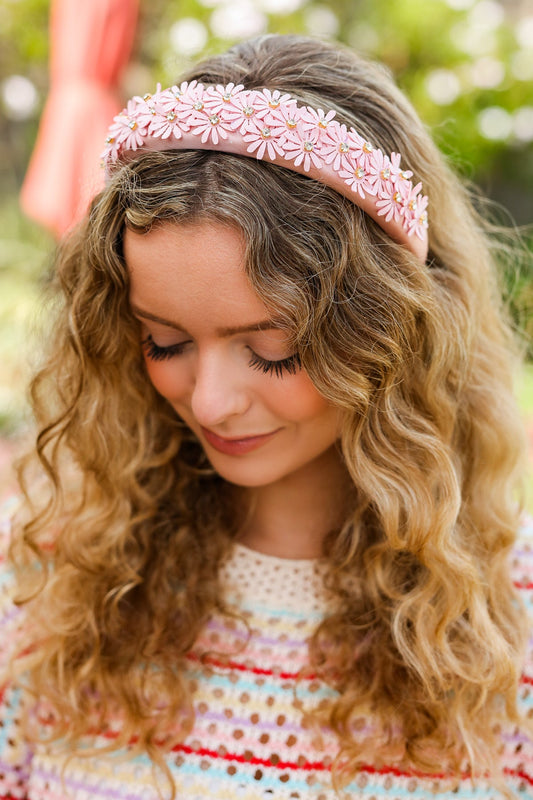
x: 249, y: 740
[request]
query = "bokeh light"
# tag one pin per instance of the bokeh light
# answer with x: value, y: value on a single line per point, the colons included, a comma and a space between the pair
x: 188, y: 36
x: 238, y: 20
x: 523, y: 124
x: 281, y: 6
x: 486, y: 15
x: 443, y: 86
x: 20, y: 97
x: 524, y: 32
x: 321, y: 21
x: 522, y: 65
x: 495, y: 123
x: 487, y: 72
x: 459, y: 5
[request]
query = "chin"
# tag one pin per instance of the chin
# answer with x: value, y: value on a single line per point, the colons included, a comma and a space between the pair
x: 245, y: 476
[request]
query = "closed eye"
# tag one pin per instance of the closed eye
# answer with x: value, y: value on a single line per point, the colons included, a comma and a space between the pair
x: 289, y: 365
x: 156, y: 352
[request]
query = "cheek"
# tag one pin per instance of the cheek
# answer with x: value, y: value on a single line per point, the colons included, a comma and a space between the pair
x: 167, y: 380
x: 300, y: 401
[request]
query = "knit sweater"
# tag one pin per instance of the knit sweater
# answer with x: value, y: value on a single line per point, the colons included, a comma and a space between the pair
x: 249, y: 740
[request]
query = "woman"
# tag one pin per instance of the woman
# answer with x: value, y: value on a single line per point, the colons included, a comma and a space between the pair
x: 272, y: 552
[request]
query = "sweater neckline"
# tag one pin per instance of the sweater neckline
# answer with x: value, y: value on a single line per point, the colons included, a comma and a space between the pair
x: 254, y: 580
x: 281, y: 561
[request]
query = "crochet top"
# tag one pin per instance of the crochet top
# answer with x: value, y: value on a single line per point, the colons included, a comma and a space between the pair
x: 249, y: 740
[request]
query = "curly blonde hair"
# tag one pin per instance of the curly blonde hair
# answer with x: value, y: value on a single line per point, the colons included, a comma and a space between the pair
x: 135, y: 523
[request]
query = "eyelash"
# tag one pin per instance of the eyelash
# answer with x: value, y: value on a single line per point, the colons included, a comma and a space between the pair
x: 289, y: 365
x: 157, y: 353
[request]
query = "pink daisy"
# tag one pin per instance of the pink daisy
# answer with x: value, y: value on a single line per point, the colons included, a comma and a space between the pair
x: 392, y: 204
x: 288, y: 114
x: 418, y: 223
x: 263, y: 138
x: 359, y: 180
x: 335, y: 147
x: 126, y: 131
x: 362, y: 149
x: 220, y: 99
x: 212, y: 127
x: 303, y: 148
x: 379, y: 168
x: 166, y: 124
x: 266, y: 101
x: 192, y: 103
x: 397, y: 172
x: 315, y: 121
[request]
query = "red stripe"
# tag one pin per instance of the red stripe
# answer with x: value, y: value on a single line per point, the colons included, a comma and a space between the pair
x: 318, y: 766
x: 519, y: 773
x: 213, y: 662
x: 235, y: 665
x: 260, y: 762
x: 522, y: 585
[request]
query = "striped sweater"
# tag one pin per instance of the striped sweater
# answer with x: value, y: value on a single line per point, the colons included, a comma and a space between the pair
x: 249, y: 741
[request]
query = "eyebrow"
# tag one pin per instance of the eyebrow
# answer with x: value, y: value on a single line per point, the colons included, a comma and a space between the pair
x: 262, y: 325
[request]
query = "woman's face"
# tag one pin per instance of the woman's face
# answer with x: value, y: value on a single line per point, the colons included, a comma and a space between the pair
x: 213, y: 350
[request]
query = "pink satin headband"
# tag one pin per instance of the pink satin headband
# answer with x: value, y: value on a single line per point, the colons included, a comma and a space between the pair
x: 269, y: 125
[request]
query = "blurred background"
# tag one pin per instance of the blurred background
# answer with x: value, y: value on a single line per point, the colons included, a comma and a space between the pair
x: 467, y: 65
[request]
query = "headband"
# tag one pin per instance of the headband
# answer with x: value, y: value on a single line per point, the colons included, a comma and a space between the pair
x: 270, y: 125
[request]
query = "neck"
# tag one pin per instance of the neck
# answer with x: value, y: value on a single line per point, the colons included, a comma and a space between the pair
x: 291, y: 517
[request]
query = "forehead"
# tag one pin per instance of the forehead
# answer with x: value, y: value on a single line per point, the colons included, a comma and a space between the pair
x: 191, y: 269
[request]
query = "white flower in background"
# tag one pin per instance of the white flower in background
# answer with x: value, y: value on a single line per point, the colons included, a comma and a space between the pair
x: 321, y: 21
x: 524, y: 32
x: 188, y: 36
x: 239, y: 19
x: 442, y: 86
x: 487, y: 72
x: 495, y: 123
x: 523, y: 124
x: 19, y: 97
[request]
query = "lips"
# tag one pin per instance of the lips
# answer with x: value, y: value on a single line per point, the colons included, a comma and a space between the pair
x: 236, y: 446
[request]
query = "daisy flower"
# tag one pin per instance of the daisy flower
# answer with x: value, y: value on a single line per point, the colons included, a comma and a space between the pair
x: 303, y: 148
x: 220, y: 99
x: 359, y: 180
x: 264, y: 138
x: 335, y: 147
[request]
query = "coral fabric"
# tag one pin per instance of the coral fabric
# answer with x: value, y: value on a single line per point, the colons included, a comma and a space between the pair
x: 91, y: 43
x: 250, y: 740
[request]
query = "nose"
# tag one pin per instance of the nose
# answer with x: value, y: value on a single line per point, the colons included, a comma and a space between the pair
x: 219, y: 391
